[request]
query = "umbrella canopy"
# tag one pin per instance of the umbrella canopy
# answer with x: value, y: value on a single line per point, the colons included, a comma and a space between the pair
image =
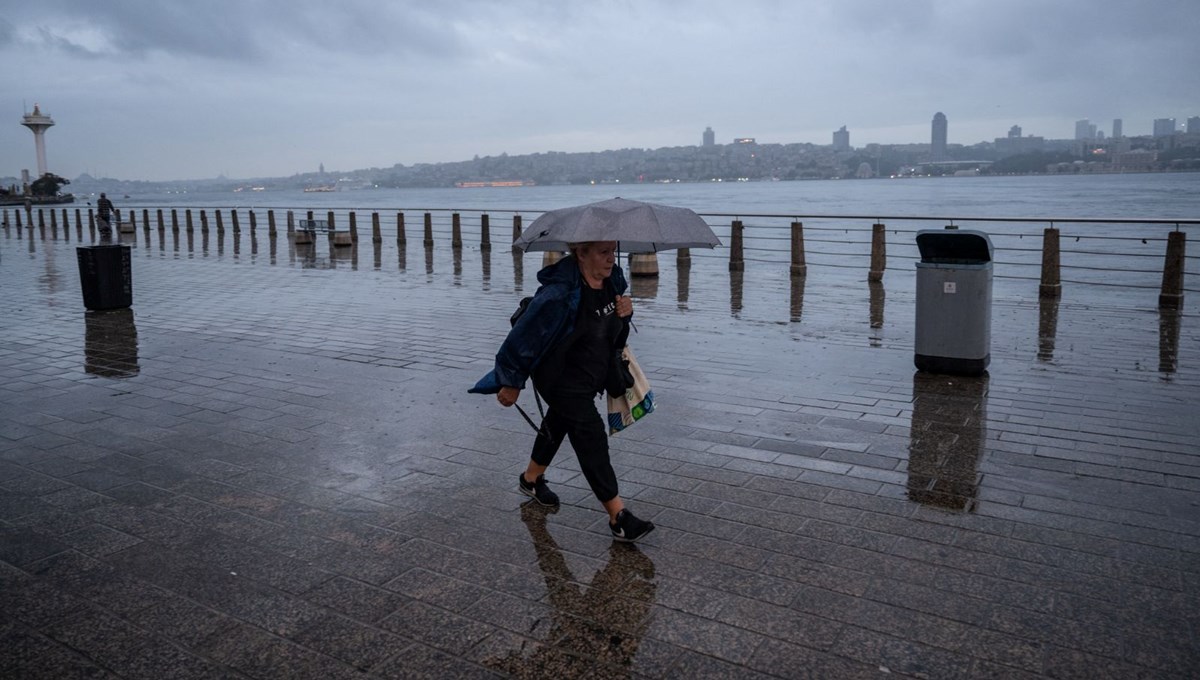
x: 637, y: 227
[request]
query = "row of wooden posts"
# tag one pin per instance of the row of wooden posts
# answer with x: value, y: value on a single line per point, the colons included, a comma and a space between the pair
x: 1170, y: 296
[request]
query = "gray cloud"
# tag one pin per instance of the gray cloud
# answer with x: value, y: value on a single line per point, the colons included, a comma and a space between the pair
x: 149, y: 89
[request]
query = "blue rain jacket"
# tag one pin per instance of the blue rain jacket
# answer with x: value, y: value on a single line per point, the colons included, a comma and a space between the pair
x: 547, y: 321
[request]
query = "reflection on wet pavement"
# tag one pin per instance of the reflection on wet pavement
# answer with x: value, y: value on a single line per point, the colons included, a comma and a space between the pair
x: 948, y: 431
x: 276, y: 472
x: 594, y: 630
x: 110, y: 346
x: 1047, y: 327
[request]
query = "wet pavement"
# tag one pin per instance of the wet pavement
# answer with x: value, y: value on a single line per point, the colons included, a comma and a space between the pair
x: 269, y: 467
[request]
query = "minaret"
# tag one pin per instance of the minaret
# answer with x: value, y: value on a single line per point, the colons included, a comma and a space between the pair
x: 38, y: 122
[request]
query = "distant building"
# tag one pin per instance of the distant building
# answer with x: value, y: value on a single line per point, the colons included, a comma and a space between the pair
x: 1193, y: 125
x: 841, y: 139
x: 1085, y: 129
x: 937, y: 145
x: 1164, y: 127
x: 1015, y: 144
x: 864, y: 171
x: 710, y: 137
x: 744, y: 140
x: 1117, y: 132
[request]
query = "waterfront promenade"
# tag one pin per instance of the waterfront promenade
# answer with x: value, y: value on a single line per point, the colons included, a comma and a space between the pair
x: 271, y: 468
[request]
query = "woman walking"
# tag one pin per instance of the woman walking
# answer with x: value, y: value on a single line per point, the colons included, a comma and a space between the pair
x: 567, y: 340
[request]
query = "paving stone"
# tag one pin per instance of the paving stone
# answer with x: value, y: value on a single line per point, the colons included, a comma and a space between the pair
x: 822, y: 509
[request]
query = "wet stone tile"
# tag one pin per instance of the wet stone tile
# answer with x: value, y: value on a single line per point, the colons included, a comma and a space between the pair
x: 24, y: 546
x: 436, y: 627
x: 98, y: 540
x: 356, y: 599
x: 356, y: 644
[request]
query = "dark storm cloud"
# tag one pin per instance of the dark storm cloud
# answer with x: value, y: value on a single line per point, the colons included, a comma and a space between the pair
x: 235, y: 31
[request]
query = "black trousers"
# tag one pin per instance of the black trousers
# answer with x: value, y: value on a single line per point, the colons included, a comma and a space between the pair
x: 575, y: 416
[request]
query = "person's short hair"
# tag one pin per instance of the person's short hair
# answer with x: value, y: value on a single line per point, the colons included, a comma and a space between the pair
x: 101, y: 194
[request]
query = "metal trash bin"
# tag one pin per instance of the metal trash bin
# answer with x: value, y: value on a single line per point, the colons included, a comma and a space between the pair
x: 106, y: 276
x: 954, y: 302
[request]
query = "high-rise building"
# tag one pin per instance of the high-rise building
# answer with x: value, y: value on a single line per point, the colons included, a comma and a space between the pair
x: 841, y: 139
x: 1117, y: 132
x: 937, y: 144
x: 1085, y: 129
x: 1164, y: 127
x: 1193, y: 125
x: 710, y: 137
x: 1014, y: 132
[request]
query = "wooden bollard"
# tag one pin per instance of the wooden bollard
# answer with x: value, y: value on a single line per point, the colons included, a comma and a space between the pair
x: 401, y: 237
x: 428, y: 230
x: 53, y: 220
x: 550, y: 257
x: 291, y: 223
x: 376, y: 233
x: 6, y: 218
x: 329, y: 218
x: 233, y: 220
x: 187, y: 221
x: 204, y: 222
x: 353, y: 227
x: 146, y: 219
x: 91, y: 223
x: 162, y: 226
x: 643, y: 264
x: 253, y: 222
x: 174, y: 220
x: 516, y: 227
x: 1172, y: 285
x: 78, y: 222
x: 456, y: 231
x: 220, y: 223
x: 799, y: 266
x: 132, y: 218
x: 485, y: 232
x: 271, y: 223
x: 736, y: 261
x: 878, y: 253
x: 17, y: 220
x: 41, y: 218
x: 683, y: 258
x: 1051, y: 285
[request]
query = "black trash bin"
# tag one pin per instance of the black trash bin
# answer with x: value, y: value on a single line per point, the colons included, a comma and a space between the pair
x: 954, y: 302
x: 106, y: 276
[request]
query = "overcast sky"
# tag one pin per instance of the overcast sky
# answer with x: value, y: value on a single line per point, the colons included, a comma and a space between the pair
x: 166, y: 89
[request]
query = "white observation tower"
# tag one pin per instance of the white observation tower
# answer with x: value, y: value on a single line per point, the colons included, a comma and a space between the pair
x: 39, y: 123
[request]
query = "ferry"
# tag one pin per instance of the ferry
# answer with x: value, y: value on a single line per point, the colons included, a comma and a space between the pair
x: 310, y: 190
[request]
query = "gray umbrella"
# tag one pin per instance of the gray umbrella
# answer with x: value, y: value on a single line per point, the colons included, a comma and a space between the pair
x: 637, y: 227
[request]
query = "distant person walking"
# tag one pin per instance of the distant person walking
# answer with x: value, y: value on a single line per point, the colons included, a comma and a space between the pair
x: 104, y: 213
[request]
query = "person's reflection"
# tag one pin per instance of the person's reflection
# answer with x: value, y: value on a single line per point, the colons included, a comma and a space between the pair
x: 604, y: 622
x: 110, y: 343
x: 1047, y: 328
x: 876, y: 313
x: 645, y: 287
x: 735, y: 293
x: 949, y: 427
x: 683, y: 281
x: 1168, y: 341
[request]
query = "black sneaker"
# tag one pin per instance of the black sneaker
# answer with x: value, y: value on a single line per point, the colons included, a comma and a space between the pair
x: 629, y: 528
x: 538, y: 490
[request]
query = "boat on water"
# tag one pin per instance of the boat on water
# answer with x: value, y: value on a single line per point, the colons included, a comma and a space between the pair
x: 310, y: 190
